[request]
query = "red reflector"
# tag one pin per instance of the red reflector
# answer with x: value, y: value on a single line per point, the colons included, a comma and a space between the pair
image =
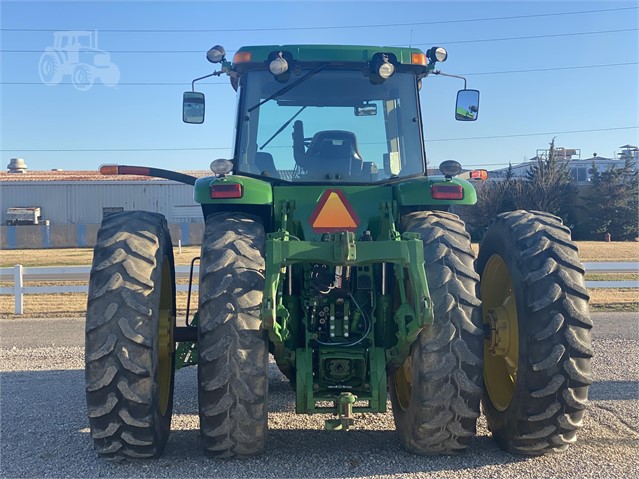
x: 447, y: 192
x: 233, y: 190
x: 109, y: 169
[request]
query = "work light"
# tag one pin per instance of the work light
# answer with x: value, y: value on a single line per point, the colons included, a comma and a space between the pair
x: 278, y: 66
x: 216, y: 54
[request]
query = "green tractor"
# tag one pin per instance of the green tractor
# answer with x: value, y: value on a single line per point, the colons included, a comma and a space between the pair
x: 327, y: 246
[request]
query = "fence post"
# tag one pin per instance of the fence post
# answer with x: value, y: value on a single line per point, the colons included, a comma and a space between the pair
x: 17, y: 288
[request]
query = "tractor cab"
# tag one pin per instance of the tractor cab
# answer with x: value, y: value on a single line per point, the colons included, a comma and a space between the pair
x: 326, y: 114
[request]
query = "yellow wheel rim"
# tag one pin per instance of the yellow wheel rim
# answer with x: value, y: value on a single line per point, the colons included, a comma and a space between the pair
x: 166, y: 345
x: 501, y: 348
x: 403, y: 380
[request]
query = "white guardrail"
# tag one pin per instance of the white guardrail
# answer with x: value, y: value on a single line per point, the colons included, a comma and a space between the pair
x: 19, y: 274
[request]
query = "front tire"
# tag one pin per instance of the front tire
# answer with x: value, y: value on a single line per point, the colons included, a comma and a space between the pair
x: 436, y: 393
x: 82, y: 78
x: 538, y: 347
x: 233, y: 361
x: 129, y: 348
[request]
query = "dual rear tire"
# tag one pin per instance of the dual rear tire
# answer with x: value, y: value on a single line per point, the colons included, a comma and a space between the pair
x: 537, y: 351
x: 526, y: 351
x: 129, y: 352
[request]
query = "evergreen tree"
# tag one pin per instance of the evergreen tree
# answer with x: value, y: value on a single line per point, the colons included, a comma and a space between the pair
x: 613, y: 202
x: 548, y: 186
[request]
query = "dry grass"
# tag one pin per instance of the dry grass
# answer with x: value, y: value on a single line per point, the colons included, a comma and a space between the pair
x: 72, y: 305
x: 613, y: 251
x: 74, y: 256
x: 602, y: 251
x: 622, y: 299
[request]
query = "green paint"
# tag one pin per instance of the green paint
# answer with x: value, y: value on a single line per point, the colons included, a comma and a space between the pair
x: 254, y: 191
x: 327, y: 53
x: 367, y: 361
x: 186, y: 354
x: 417, y: 192
x: 337, y: 343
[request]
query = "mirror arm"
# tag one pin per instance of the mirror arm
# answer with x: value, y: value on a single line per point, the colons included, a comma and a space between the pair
x: 439, y: 72
x: 226, y: 67
x: 202, y: 78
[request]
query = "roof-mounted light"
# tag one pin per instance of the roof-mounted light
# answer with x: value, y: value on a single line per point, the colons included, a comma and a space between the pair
x: 278, y: 66
x: 437, y: 54
x: 216, y: 54
x: 383, y: 66
x: 418, y: 58
x: 242, y: 57
x: 386, y: 68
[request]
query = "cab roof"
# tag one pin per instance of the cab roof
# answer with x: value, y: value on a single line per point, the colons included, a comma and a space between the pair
x: 325, y: 53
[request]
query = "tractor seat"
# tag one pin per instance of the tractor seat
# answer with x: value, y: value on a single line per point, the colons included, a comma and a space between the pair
x: 333, y: 152
x: 265, y: 164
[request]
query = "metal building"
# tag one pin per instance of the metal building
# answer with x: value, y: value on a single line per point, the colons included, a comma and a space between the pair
x: 73, y: 203
x: 82, y: 197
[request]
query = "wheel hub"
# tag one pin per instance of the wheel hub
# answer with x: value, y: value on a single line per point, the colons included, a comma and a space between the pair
x: 501, y: 338
x: 498, y: 321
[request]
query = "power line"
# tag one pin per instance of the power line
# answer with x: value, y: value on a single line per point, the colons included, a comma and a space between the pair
x: 533, y: 134
x: 450, y: 42
x: 550, y: 35
x: 94, y: 150
x: 330, y: 27
x: 503, y: 72
x: 577, y: 67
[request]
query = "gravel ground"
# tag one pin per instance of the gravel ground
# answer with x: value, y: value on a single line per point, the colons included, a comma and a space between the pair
x: 44, y: 430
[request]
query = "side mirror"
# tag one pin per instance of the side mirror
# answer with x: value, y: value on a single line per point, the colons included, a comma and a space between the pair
x: 193, y: 107
x: 467, y: 107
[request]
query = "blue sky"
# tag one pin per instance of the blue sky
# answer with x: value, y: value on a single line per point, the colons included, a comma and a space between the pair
x: 142, y: 115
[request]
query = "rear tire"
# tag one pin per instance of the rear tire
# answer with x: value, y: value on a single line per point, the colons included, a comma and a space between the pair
x: 436, y: 393
x: 129, y: 349
x: 49, y: 69
x: 536, y: 380
x: 233, y: 347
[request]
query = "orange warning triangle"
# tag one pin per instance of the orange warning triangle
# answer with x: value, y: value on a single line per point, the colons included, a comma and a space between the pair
x: 333, y: 213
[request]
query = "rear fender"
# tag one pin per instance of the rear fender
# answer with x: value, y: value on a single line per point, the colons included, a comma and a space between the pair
x: 254, y: 191
x: 418, y: 192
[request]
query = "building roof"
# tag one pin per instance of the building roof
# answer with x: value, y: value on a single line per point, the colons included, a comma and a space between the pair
x: 73, y: 175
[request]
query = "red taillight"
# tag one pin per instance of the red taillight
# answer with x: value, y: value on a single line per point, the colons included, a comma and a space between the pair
x: 447, y: 192
x: 219, y: 191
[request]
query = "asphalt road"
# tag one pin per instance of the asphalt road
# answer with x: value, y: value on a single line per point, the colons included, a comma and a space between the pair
x: 44, y: 430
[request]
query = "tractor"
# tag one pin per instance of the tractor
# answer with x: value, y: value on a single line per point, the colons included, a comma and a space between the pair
x: 329, y: 248
x: 76, y: 54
